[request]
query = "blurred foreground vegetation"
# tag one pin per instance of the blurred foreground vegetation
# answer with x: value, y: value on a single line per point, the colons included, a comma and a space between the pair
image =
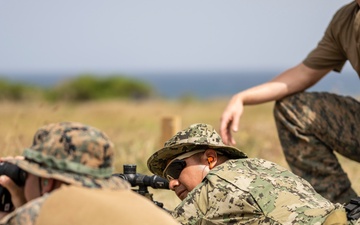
x: 81, y: 88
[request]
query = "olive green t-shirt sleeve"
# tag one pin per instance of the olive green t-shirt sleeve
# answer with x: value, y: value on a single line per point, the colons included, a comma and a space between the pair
x: 328, y: 54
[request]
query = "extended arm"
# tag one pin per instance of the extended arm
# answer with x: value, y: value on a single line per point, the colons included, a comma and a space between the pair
x: 291, y: 81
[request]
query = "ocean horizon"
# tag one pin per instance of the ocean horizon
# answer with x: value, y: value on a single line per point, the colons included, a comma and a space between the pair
x: 205, y: 85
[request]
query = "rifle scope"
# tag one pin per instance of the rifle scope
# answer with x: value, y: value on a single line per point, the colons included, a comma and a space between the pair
x: 137, y: 179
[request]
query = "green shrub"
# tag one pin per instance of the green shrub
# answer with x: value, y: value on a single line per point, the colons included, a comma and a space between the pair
x: 89, y: 87
x: 12, y: 91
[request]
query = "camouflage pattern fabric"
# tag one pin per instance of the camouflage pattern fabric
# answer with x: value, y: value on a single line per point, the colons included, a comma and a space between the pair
x: 26, y: 214
x: 253, y: 191
x: 74, y: 153
x: 197, y: 136
x: 311, y: 126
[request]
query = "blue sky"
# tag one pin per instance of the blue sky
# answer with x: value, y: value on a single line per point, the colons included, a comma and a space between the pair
x: 116, y: 36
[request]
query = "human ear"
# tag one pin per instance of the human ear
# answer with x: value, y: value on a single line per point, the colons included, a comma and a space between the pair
x: 211, y: 157
x: 47, y: 185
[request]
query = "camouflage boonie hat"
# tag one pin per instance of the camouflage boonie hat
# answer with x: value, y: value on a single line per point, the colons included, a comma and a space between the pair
x: 73, y: 153
x: 192, y: 138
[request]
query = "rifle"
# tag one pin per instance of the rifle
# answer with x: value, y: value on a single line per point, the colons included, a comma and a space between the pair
x: 143, y: 182
x: 353, y: 209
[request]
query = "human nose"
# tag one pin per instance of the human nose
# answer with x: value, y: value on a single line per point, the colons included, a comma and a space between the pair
x: 173, y: 183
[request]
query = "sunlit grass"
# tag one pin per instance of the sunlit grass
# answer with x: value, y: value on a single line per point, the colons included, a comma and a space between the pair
x: 135, y: 129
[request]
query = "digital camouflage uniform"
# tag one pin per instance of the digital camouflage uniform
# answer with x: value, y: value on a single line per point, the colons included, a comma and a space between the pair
x: 73, y: 153
x: 311, y: 126
x: 253, y: 191
x: 241, y: 190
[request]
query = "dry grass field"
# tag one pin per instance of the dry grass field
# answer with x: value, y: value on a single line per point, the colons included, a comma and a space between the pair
x: 135, y: 128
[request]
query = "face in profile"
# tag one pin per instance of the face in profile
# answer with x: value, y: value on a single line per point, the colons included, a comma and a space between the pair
x: 186, y: 175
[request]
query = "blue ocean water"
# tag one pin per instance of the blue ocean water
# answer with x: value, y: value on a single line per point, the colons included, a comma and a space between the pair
x: 226, y: 84
x: 209, y: 85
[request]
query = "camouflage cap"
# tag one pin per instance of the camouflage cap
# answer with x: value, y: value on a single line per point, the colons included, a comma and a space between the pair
x: 73, y: 153
x: 192, y: 138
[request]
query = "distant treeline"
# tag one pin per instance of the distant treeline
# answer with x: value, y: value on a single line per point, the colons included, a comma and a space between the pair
x: 81, y: 88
